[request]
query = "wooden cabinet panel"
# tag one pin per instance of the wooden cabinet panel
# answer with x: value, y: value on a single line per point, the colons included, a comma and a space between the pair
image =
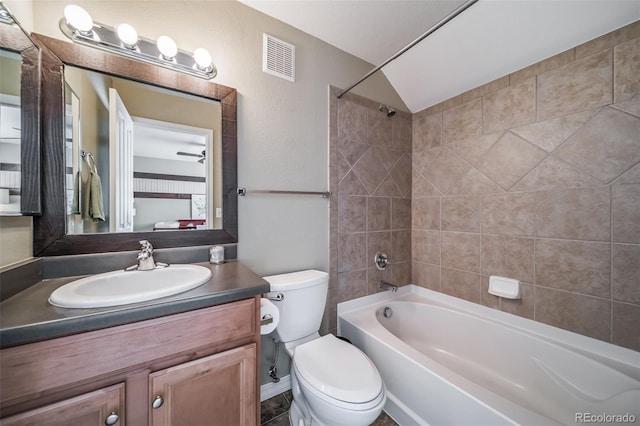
x: 29, y: 370
x: 90, y: 409
x: 205, y: 364
x: 216, y: 390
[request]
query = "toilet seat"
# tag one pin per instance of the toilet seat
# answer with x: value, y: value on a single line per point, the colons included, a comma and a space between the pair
x: 311, y: 392
x: 338, y: 373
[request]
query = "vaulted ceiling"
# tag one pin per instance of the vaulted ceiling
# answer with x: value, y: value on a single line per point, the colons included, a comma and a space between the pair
x: 490, y: 39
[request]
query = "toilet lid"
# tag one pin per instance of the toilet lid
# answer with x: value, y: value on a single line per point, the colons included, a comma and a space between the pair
x: 338, y: 369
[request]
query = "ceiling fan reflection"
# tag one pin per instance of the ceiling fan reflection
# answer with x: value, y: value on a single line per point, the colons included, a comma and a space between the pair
x: 201, y: 156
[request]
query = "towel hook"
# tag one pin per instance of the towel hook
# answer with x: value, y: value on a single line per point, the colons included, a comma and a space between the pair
x: 90, y: 159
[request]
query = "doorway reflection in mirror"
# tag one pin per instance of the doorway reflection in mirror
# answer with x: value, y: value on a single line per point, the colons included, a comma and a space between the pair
x: 10, y: 132
x: 158, y: 153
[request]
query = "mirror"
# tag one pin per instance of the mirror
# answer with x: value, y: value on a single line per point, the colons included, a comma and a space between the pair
x: 10, y: 132
x: 71, y: 152
x: 19, y: 120
x: 161, y: 170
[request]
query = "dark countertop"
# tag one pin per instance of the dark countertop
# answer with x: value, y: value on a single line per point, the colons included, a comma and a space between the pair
x: 28, y: 317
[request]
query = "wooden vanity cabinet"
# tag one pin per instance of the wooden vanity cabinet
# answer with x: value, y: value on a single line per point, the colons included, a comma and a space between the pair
x: 194, y: 368
x: 97, y: 408
x: 207, y: 391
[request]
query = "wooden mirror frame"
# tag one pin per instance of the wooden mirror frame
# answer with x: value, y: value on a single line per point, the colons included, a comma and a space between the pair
x: 13, y: 38
x: 49, y: 230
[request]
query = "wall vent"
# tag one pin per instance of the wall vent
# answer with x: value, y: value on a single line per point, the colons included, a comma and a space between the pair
x: 278, y: 58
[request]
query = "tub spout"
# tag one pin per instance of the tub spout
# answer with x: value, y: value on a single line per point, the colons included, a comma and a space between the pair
x: 387, y: 286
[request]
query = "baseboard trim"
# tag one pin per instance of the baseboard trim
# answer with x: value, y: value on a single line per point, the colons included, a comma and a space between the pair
x: 269, y: 390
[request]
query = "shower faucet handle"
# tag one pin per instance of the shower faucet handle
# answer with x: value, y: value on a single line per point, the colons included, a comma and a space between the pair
x: 381, y: 260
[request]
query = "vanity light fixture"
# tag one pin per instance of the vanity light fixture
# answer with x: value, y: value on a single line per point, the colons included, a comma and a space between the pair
x: 127, y: 35
x: 167, y: 47
x: 5, y: 15
x: 78, y: 19
x: 78, y: 25
x: 203, y: 59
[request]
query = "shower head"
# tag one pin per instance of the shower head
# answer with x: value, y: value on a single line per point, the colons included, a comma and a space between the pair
x: 390, y: 111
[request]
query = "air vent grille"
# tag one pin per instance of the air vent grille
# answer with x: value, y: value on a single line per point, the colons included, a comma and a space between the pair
x: 278, y: 58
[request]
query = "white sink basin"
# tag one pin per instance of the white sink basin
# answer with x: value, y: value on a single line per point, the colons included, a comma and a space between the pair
x: 123, y: 287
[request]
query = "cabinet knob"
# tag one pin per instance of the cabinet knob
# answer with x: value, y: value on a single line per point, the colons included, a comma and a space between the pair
x: 157, y: 402
x: 111, y: 419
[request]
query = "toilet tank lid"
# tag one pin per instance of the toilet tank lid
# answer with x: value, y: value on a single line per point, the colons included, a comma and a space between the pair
x: 296, y: 280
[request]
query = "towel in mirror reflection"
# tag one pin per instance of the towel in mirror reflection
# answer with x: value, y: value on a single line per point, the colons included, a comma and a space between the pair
x: 92, y: 206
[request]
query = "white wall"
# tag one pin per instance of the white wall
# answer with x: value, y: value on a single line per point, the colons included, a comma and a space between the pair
x: 150, y: 211
x: 168, y: 167
x: 23, y: 11
x: 282, y: 126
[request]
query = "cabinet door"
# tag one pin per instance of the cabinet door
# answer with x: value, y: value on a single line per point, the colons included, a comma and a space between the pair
x: 89, y: 409
x: 216, y: 390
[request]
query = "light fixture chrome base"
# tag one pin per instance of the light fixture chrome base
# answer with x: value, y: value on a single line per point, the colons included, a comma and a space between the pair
x: 105, y: 38
x: 5, y: 15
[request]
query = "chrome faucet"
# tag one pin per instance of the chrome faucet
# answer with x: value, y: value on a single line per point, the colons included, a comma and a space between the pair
x: 145, y: 259
x: 387, y: 286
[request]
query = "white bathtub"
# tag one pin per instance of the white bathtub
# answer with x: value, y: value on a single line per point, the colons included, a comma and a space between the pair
x: 446, y: 361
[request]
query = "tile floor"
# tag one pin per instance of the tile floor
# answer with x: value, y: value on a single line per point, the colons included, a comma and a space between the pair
x: 275, y: 412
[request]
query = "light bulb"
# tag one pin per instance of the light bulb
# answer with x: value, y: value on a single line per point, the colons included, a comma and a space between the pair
x: 167, y: 47
x: 78, y: 18
x: 202, y: 58
x: 127, y: 35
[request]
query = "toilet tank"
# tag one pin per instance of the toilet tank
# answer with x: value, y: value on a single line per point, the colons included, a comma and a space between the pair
x: 304, y: 295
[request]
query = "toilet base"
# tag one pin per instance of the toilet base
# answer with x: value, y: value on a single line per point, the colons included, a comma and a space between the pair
x: 295, y: 415
x: 297, y: 419
x: 301, y: 412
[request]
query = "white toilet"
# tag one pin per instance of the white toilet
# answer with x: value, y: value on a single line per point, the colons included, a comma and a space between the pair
x: 333, y: 382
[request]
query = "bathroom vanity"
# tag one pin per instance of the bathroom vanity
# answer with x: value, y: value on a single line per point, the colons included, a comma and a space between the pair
x: 193, y: 361
x: 187, y: 359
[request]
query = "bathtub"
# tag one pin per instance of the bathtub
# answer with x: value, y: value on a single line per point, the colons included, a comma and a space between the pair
x: 446, y: 361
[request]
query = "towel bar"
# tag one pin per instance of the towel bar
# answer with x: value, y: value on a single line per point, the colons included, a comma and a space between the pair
x: 243, y: 191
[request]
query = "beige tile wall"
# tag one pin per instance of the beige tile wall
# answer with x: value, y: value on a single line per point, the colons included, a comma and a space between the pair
x: 536, y: 176
x: 370, y: 211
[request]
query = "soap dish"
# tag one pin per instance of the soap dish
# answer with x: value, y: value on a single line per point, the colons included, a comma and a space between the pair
x: 508, y: 288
